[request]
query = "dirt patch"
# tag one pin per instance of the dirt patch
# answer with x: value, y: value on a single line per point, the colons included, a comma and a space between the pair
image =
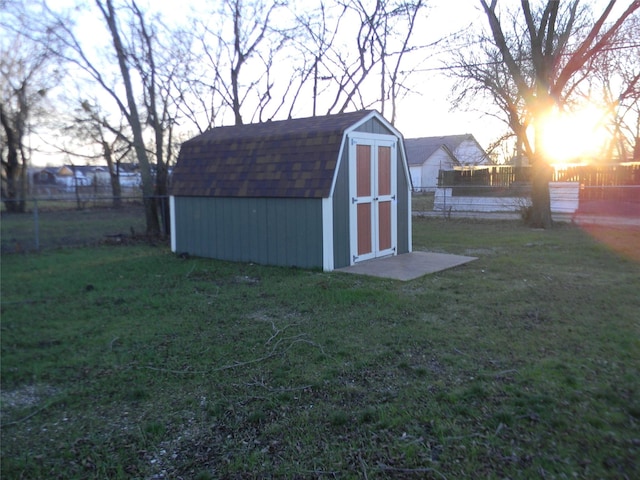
x: 25, y: 396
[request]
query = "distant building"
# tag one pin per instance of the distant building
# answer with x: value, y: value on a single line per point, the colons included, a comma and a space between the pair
x: 428, y: 155
x: 66, y: 178
x: 61, y: 179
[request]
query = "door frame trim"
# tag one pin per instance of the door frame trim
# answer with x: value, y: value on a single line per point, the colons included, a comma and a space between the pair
x: 375, y: 141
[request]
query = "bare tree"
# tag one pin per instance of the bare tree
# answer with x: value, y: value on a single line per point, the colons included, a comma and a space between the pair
x: 141, y: 87
x: 99, y: 72
x: 364, y: 68
x: 129, y: 109
x: 558, y: 55
x: 28, y: 71
x: 160, y: 71
x: 318, y: 31
x: 314, y: 59
x: 241, y: 51
x: 617, y: 77
x: 482, y: 78
x: 395, y: 43
x: 90, y: 129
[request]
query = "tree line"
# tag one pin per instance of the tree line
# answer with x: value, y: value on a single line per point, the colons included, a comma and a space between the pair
x: 117, y: 80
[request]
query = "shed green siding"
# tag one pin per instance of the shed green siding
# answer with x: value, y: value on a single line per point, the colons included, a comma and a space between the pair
x: 341, y: 200
x: 271, y: 231
x: 403, y: 204
x: 374, y: 126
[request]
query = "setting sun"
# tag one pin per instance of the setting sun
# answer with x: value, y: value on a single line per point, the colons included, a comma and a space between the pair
x: 568, y: 136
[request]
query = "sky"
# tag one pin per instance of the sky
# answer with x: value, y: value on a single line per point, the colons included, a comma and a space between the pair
x: 426, y: 113
x: 429, y: 112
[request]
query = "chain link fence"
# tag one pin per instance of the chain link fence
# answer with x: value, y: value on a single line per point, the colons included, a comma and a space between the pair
x: 70, y: 220
x: 77, y: 220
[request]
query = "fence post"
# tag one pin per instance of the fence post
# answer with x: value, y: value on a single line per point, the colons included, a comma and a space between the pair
x: 444, y: 210
x: 36, y: 220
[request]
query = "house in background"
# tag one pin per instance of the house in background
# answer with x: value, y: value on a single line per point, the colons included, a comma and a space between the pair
x: 46, y: 177
x: 59, y: 179
x: 321, y: 192
x: 428, y: 155
x: 65, y: 179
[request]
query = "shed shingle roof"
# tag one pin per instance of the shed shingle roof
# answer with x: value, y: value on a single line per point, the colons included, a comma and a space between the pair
x: 288, y: 158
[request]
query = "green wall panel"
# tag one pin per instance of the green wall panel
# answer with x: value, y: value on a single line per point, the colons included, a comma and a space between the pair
x: 273, y: 231
x: 341, y: 242
x: 404, y: 205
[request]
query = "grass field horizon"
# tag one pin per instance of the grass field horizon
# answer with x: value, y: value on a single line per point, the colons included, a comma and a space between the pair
x: 131, y: 362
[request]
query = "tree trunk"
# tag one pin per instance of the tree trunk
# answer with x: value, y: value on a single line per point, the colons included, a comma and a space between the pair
x: 14, y: 177
x: 161, y: 190
x: 162, y: 199
x: 114, y: 177
x: 151, y: 212
x: 541, y: 170
x: 540, y: 214
x: 23, y: 182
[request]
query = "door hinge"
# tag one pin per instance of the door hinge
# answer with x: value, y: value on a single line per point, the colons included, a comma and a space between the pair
x: 354, y: 258
x: 354, y: 200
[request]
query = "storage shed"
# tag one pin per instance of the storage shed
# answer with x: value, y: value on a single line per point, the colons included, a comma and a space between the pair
x: 321, y: 192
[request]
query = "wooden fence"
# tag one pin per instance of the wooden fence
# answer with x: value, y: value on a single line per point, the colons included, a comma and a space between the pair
x: 605, y: 175
x: 614, y: 182
x: 610, y: 175
x: 498, y: 176
x: 605, y: 182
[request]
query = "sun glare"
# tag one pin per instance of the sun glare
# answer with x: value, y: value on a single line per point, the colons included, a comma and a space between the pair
x: 573, y: 136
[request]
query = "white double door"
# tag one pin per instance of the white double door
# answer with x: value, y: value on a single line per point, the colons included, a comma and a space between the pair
x: 372, y: 183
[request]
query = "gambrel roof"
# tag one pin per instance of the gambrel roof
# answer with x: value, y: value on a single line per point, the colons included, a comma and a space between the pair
x: 289, y: 158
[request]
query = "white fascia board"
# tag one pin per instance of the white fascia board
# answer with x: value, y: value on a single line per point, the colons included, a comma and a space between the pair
x: 382, y: 120
x: 172, y: 216
x: 394, y: 130
x: 410, y: 225
x: 337, y: 169
x: 405, y: 163
x: 351, y: 131
x: 327, y: 234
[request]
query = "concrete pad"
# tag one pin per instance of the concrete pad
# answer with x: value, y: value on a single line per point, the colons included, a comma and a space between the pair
x: 407, y: 266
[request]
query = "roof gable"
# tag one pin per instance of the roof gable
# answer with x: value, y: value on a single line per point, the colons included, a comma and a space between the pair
x: 420, y: 149
x: 288, y: 158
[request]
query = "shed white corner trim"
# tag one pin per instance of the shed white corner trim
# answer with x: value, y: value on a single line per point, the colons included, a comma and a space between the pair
x: 172, y: 215
x: 327, y: 234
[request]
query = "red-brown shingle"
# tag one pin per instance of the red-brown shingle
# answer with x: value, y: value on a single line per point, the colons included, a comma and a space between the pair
x: 289, y: 158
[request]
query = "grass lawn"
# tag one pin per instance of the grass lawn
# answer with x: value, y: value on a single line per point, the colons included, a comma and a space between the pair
x: 422, y: 202
x: 130, y: 362
x: 64, y: 227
